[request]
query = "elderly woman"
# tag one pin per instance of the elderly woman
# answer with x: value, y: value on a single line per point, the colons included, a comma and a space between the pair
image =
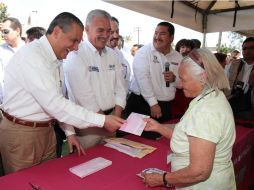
x: 202, y: 141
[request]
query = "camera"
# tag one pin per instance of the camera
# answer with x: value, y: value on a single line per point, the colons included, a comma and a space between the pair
x: 238, y: 89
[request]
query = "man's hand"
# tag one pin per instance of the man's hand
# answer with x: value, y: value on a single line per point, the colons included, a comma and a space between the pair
x: 156, y: 111
x: 169, y: 76
x: 118, y: 111
x: 112, y: 123
x: 73, y: 141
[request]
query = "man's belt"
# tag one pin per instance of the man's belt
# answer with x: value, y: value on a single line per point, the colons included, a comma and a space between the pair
x: 28, y: 123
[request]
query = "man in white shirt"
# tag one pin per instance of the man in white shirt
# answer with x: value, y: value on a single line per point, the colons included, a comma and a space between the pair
x: 11, y: 33
x: 94, y: 76
x: 33, y: 98
x: 241, y: 79
x: 155, y: 68
x: 113, y: 43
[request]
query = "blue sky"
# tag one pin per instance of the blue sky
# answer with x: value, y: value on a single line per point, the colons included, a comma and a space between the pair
x: 43, y: 11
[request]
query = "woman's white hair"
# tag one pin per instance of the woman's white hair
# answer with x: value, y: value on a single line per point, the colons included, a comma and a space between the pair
x: 202, y: 61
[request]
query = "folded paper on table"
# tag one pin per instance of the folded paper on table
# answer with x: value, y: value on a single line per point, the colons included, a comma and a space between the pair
x: 134, y: 124
x: 129, y: 147
x: 90, y: 167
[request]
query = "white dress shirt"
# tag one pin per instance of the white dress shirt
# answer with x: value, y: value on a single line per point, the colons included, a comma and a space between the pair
x: 148, y: 80
x: 94, y: 81
x: 6, y: 53
x: 33, y: 88
x: 125, y: 69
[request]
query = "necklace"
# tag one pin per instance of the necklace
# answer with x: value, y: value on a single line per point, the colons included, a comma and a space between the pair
x: 205, y: 94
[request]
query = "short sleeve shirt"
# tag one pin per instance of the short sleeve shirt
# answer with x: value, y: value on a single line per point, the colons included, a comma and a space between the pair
x: 208, y: 117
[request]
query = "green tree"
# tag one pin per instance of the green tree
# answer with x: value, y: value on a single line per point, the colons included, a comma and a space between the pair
x: 225, y: 49
x: 3, y: 12
x: 127, y: 39
x: 236, y: 40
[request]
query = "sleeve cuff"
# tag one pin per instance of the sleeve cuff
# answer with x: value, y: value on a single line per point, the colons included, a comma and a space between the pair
x: 152, y: 101
x: 68, y: 129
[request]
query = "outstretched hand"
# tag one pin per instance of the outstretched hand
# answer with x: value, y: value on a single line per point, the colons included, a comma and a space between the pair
x: 151, y: 125
x: 112, y: 123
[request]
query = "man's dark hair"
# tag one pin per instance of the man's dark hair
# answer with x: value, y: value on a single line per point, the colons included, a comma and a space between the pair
x: 171, y: 28
x: 249, y: 39
x: 35, y: 33
x: 184, y: 42
x: 138, y: 45
x: 196, y: 42
x: 220, y: 56
x: 14, y: 23
x: 64, y: 21
x: 115, y: 19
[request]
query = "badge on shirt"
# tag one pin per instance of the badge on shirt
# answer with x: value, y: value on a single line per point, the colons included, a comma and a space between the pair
x: 155, y: 59
x: 111, y: 67
x: 93, y: 68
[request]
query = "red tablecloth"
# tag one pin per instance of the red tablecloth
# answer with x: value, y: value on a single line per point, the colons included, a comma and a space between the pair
x: 243, y: 157
x: 55, y: 175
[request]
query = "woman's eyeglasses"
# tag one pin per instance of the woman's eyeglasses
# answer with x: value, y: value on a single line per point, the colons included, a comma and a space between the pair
x: 5, y: 31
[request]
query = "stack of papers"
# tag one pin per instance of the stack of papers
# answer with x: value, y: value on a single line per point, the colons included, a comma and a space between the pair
x: 134, y: 124
x: 90, y: 167
x: 129, y: 147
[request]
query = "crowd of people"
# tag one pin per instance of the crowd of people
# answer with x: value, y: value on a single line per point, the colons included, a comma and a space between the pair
x: 58, y: 84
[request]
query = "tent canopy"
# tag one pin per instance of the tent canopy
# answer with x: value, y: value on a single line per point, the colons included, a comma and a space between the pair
x: 201, y: 16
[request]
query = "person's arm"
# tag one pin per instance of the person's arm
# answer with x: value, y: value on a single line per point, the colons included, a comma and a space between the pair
x: 119, y: 88
x: 202, y: 153
x: 42, y: 85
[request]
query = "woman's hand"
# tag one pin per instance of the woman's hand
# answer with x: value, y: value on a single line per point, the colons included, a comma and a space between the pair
x: 151, y: 125
x: 153, y: 179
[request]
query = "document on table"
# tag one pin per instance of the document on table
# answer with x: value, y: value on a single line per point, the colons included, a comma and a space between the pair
x: 90, y: 167
x: 129, y: 147
x: 134, y: 124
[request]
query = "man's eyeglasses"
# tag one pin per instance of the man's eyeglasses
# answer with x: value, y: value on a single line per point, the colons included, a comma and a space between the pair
x: 250, y: 48
x: 5, y: 31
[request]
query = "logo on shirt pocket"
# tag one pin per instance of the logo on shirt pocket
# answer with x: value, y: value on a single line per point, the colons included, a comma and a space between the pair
x: 155, y: 59
x: 93, y: 69
x: 111, y: 67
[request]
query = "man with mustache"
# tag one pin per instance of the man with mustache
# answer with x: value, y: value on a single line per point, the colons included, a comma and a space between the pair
x: 33, y: 98
x: 153, y: 87
x: 94, y: 77
x: 113, y: 43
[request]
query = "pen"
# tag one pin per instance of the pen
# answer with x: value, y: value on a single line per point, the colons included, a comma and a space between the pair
x: 34, y: 186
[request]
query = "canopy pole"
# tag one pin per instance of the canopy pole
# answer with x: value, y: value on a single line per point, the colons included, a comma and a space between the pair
x: 204, y: 24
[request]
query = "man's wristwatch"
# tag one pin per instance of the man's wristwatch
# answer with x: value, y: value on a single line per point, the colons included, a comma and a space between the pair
x: 166, y: 184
